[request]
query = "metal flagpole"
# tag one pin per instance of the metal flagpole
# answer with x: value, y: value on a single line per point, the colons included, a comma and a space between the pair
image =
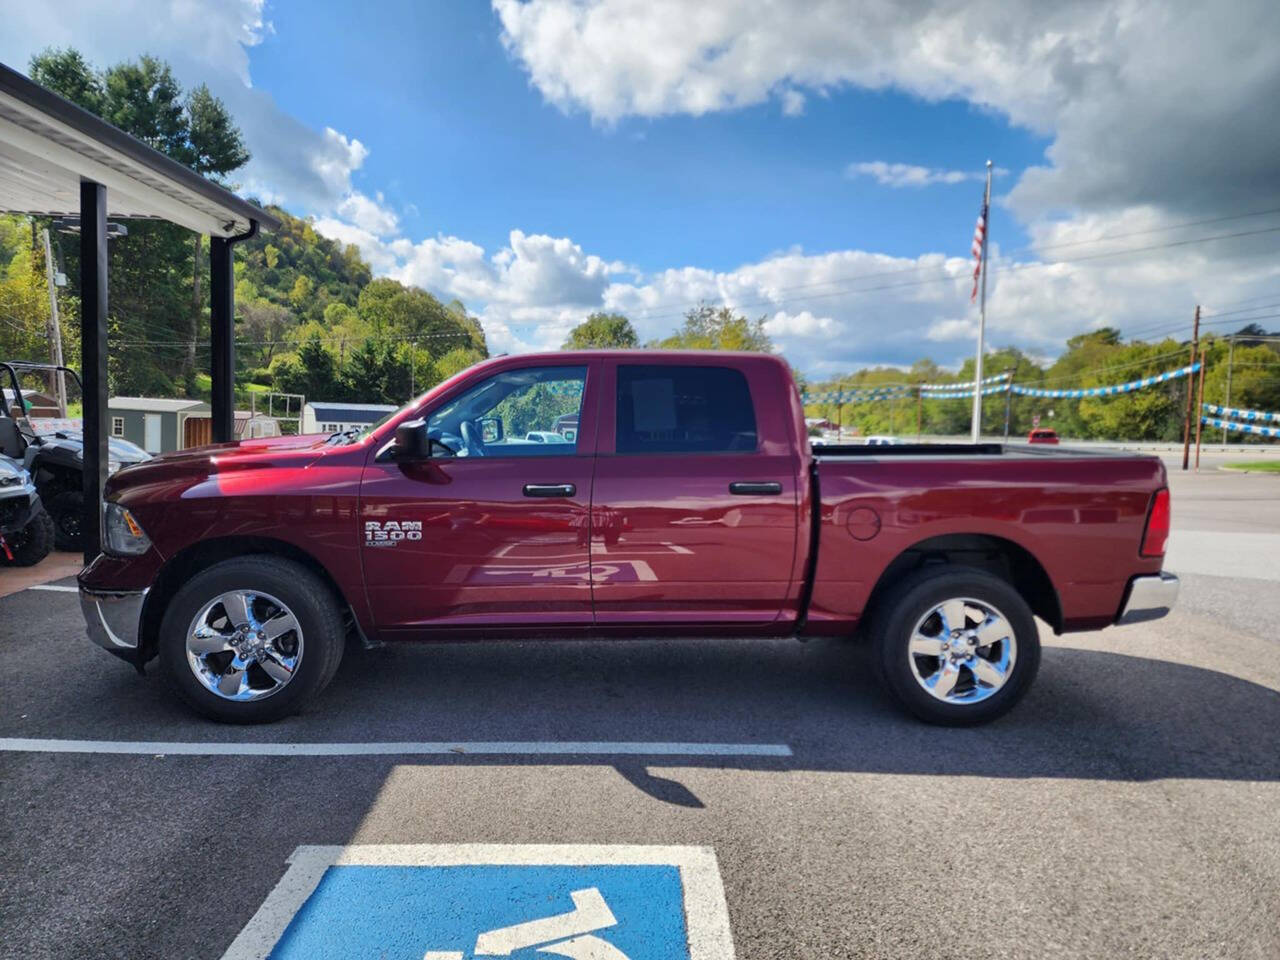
x: 976, y: 428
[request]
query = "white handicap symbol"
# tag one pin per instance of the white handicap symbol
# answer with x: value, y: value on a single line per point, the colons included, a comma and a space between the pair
x: 567, y: 934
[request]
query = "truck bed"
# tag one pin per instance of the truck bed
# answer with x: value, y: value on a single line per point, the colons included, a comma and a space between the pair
x: 825, y: 451
x: 1070, y: 520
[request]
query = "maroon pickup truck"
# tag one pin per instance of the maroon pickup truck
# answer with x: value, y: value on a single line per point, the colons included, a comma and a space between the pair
x: 618, y: 494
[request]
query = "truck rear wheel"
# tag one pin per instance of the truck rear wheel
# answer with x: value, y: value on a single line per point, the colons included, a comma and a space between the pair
x: 251, y: 640
x: 955, y: 645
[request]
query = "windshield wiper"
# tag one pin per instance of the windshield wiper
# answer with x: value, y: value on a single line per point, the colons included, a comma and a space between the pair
x: 344, y: 436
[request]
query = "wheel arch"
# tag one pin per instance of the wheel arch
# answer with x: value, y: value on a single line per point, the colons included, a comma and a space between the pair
x: 185, y: 564
x: 1004, y: 558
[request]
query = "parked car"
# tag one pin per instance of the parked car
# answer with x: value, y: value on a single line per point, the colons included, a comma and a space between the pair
x: 55, y: 458
x: 691, y: 504
x: 881, y: 441
x: 26, y: 532
x: 545, y: 436
x: 1041, y: 435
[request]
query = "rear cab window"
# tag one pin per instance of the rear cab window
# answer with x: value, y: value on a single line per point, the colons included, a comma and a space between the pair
x: 680, y: 408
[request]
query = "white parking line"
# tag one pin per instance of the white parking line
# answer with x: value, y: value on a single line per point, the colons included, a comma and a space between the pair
x: 53, y: 588
x: 393, y: 748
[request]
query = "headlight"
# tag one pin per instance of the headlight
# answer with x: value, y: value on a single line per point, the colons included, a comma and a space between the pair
x: 112, y: 466
x: 122, y: 536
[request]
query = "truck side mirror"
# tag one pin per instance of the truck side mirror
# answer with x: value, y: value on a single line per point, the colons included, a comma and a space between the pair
x: 412, y: 442
x: 490, y: 429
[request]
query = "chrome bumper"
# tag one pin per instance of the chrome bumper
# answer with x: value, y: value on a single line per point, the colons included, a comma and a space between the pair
x: 113, y: 618
x: 1150, y: 598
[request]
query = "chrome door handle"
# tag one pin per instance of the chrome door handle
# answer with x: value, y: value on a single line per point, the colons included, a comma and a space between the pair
x: 744, y: 489
x: 549, y: 489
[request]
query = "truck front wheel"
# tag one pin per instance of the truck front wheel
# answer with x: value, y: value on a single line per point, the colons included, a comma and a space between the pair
x: 251, y: 640
x: 955, y: 645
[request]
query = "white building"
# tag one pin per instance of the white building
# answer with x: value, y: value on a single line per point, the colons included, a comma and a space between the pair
x: 321, y: 417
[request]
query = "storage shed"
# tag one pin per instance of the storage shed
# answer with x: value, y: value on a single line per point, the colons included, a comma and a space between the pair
x: 157, y: 425
x: 322, y: 417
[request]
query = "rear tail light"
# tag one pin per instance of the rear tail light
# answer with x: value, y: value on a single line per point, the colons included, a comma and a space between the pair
x: 1157, y: 532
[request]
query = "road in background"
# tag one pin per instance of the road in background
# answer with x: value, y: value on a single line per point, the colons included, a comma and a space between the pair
x: 1127, y: 807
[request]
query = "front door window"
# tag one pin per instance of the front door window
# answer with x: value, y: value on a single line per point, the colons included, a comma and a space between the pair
x: 516, y: 413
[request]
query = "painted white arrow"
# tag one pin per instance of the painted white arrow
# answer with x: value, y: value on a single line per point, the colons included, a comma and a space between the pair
x: 590, y: 913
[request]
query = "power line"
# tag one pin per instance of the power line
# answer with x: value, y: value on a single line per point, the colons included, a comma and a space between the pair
x: 1017, y: 267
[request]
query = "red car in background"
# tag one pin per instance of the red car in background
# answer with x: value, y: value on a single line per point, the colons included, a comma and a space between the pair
x: 1043, y: 436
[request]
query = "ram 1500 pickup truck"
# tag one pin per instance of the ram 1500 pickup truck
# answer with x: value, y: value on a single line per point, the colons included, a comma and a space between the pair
x: 685, y: 500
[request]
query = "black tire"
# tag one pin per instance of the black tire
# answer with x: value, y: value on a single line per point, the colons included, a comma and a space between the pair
x: 305, y: 594
x: 896, y: 617
x: 31, y: 544
x: 67, y: 510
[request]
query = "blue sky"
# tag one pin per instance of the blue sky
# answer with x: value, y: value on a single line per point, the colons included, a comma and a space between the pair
x: 459, y: 139
x: 815, y: 163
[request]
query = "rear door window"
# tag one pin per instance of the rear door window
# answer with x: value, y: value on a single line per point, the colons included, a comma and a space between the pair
x: 676, y: 408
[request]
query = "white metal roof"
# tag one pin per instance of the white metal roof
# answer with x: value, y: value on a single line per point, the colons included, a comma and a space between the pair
x: 48, y: 145
x: 156, y: 404
x: 336, y: 405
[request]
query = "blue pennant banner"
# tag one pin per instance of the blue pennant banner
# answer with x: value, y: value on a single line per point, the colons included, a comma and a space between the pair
x: 1109, y: 391
x: 997, y: 378
x: 1249, y: 416
x: 854, y: 396
x: 959, y: 394
x: 1240, y: 427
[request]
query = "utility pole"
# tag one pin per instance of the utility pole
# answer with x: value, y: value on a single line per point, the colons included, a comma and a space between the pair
x: 55, y: 330
x: 1199, y: 400
x: 1186, y: 420
x: 413, y: 358
x: 919, y: 410
x: 975, y: 430
x: 1231, y: 355
x: 1008, y: 396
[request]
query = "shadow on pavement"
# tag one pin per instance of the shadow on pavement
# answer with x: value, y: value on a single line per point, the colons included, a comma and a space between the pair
x: 1090, y: 715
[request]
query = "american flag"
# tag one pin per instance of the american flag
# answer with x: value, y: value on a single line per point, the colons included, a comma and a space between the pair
x: 979, y: 230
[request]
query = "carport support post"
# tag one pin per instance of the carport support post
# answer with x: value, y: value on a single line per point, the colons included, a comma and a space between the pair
x: 93, y: 357
x: 222, y: 363
x: 222, y: 332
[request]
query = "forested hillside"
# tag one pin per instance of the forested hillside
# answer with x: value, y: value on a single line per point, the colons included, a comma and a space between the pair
x: 1098, y: 359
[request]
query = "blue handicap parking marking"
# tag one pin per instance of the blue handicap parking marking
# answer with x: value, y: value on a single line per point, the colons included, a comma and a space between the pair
x: 404, y: 913
x: 467, y: 901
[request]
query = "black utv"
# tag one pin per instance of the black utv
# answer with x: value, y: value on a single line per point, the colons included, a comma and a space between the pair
x: 54, y: 456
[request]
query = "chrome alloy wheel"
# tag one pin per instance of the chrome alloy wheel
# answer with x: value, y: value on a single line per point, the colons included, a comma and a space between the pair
x: 244, y: 645
x: 962, y: 651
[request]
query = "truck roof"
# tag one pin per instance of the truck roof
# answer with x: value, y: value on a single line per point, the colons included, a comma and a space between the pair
x: 641, y: 355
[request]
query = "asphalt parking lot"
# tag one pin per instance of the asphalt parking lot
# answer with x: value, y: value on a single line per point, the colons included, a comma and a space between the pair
x: 1127, y: 808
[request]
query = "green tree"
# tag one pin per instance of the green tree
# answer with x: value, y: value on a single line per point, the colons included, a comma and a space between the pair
x: 310, y: 372
x: 707, y: 327
x: 68, y: 74
x: 144, y: 99
x: 215, y: 148
x: 603, y: 331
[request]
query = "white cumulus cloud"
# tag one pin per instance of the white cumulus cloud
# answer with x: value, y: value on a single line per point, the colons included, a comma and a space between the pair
x: 909, y: 175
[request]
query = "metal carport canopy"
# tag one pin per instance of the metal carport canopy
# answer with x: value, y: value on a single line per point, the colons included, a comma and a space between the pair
x: 57, y: 159
x: 48, y: 146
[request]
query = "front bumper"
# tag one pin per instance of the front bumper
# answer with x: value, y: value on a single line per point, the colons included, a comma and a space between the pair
x: 1150, y: 598
x: 114, y: 618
